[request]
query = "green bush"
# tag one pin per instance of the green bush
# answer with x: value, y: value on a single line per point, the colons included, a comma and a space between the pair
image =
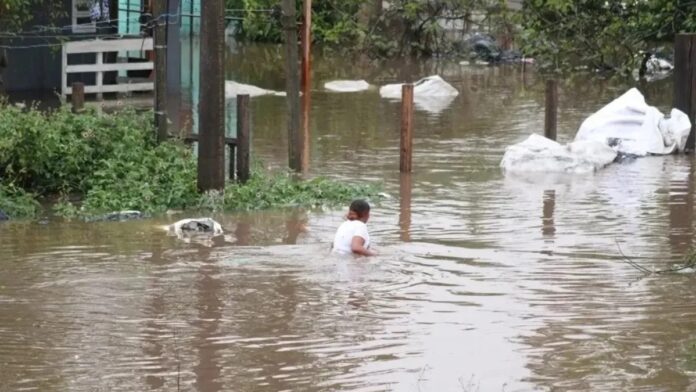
x: 17, y: 203
x: 264, y: 191
x: 111, y: 162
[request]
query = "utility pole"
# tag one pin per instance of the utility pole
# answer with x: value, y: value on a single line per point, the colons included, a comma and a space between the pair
x: 292, y: 74
x: 305, y: 137
x: 211, y: 107
x: 160, y: 32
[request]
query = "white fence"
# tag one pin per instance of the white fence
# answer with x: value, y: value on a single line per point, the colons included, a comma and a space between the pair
x: 100, y: 47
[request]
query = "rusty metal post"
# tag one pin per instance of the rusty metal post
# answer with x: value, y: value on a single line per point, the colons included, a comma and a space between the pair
x: 306, y: 85
x: 685, y: 81
x: 292, y: 88
x: 211, y: 108
x: 78, y: 97
x: 243, y: 138
x: 406, y: 158
x: 551, y: 121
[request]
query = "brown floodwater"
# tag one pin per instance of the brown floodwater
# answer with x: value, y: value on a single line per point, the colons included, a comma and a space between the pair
x: 484, y: 282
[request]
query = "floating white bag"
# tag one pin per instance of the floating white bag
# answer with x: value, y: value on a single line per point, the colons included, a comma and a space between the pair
x: 633, y: 127
x: 540, y: 154
x: 347, y: 86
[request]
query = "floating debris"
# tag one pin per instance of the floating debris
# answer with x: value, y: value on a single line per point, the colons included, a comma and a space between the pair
x: 540, y: 154
x: 232, y: 89
x: 347, y: 86
x: 632, y: 127
x: 187, y: 228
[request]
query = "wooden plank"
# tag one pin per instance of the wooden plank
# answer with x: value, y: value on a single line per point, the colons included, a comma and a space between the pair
x: 100, y: 76
x: 194, y: 138
x: 116, y: 88
x: 112, y: 67
x: 99, y: 45
x: 243, y: 138
x: 63, y: 74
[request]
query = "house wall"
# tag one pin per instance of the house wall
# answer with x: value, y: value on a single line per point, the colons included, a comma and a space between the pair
x: 36, y: 68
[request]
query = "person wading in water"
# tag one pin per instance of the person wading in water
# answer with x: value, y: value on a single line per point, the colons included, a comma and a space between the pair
x: 352, y: 236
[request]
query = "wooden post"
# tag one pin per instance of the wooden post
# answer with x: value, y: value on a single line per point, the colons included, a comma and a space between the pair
x: 292, y: 89
x: 551, y: 123
x: 685, y: 81
x: 406, y: 128
x: 243, y: 138
x: 160, y: 26
x: 78, y: 97
x: 211, y: 109
x: 306, y: 84
x: 174, y: 56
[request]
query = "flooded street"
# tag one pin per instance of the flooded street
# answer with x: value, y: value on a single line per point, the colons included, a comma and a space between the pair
x: 485, y: 282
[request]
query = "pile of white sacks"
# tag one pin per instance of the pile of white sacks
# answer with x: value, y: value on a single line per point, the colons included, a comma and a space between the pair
x: 627, y: 126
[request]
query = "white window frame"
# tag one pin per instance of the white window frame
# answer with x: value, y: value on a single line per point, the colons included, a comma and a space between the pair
x: 81, y: 14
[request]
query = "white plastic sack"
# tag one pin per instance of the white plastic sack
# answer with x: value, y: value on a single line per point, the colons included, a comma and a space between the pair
x: 631, y: 126
x: 539, y: 154
x: 232, y: 89
x: 347, y: 86
x: 431, y: 94
x: 432, y: 86
x: 187, y: 228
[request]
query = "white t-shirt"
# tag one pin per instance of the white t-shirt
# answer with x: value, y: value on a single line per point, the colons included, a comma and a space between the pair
x: 346, y: 232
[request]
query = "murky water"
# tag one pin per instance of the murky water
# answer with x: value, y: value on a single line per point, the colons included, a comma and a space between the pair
x: 484, y: 282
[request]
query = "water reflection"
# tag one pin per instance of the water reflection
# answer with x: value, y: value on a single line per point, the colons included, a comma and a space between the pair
x: 548, y: 227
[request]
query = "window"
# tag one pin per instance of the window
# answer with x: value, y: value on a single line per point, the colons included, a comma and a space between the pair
x: 81, y: 21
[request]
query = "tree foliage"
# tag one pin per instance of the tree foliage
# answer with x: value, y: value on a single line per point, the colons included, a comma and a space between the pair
x: 16, y: 14
x: 601, y: 34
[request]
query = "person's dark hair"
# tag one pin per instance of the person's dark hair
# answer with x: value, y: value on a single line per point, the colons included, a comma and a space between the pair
x: 358, y: 209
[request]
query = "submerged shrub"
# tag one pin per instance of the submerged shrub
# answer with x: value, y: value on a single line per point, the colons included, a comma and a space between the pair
x: 17, y: 203
x: 264, y: 191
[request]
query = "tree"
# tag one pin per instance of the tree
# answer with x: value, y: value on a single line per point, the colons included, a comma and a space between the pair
x: 601, y: 34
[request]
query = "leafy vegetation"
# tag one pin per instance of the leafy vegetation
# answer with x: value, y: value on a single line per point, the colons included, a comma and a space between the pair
x: 17, y: 203
x: 111, y: 162
x: 264, y: 191
x: 601, y: 35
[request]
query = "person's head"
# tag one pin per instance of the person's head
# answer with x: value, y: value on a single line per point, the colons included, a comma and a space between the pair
x: 359, y: 210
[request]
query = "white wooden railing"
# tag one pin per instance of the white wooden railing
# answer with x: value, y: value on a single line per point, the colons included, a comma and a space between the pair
x: 99, y: 47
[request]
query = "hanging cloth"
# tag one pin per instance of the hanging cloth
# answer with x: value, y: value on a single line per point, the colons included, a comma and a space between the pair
x: 99, y: 11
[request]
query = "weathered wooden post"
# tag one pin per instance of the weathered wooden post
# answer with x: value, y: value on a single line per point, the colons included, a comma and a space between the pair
x: 685, y: 81
x: 292, y: 75
x: 160, y: 33
x: 243, y: 138
x: 305, y: 137
x: 211, y: 107
x: 78, y: 97
x: 551, y: 121
x: 406, y: 129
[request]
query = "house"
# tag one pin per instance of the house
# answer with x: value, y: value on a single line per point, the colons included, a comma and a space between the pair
x: 33, y: 56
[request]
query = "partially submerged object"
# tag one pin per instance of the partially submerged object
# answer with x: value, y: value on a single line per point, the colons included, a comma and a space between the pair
x: 540, y: 154
x: 432, y: 94
x: 3, y: 216
x: 431, y: 86
x: 630, y: 126
x: 232, y: 89
x: 187, y: 228
x: 347, y: 86
x: 119, y: 216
